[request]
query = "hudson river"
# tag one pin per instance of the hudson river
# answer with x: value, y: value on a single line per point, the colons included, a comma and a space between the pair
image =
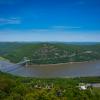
x: 60, y: 70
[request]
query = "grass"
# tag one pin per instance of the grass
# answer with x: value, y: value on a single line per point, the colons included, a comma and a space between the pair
x: 1, y: 58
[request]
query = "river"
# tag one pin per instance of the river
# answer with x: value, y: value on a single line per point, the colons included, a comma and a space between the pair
x: 63, y: 70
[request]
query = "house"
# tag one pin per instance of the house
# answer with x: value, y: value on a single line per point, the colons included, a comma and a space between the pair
x: 82, y: 86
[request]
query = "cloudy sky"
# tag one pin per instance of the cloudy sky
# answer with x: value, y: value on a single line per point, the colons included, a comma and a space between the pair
x: 50, y: 20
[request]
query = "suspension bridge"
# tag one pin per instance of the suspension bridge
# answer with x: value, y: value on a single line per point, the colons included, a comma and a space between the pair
x: 24, y: 62
x: 17, y: 65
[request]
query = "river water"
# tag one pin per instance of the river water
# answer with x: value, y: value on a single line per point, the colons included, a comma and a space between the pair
x: 64, y: 70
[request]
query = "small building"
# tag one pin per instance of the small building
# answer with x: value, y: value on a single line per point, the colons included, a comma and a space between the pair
x: 82, y: 86
x: 88, y: 52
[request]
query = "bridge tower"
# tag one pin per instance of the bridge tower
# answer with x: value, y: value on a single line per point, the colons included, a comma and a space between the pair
x: 26, y: 60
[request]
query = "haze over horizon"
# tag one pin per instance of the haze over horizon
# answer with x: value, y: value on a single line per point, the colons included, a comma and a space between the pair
x: 50, y: 20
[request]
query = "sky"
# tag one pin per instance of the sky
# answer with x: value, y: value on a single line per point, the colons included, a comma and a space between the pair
x: 50, y: 20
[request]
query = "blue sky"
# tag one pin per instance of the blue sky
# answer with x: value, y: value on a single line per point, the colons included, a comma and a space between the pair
x: 50, y: 20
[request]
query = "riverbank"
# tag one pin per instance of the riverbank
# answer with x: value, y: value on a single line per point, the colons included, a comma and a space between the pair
x: 61, y: 64
x: 57, y: 64
x: 91, y: 79
x: 3, y: 59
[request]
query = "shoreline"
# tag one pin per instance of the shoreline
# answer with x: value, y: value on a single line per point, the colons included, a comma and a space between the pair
x: 59, y: 64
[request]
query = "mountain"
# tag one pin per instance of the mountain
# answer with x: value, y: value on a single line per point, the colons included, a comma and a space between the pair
x: 49, y: 53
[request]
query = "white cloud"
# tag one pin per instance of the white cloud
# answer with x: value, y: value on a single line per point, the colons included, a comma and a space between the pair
x: 66, y: 27
x: 4, y: 21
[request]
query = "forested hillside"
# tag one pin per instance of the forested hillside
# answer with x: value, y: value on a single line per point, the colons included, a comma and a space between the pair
x: 21, y: 88
x: 49, y: 53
